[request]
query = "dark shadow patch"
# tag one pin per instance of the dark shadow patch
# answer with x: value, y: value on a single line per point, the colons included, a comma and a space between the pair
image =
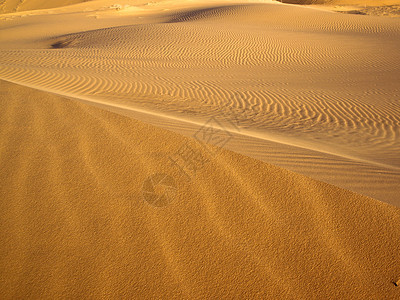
x: 352, y: 12
x: 303, y: 2
x: 202, y: 13
x: 61, y: 44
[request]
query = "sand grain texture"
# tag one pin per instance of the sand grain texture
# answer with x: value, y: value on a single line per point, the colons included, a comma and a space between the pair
x: 96, y: 98
x: 74, y: 223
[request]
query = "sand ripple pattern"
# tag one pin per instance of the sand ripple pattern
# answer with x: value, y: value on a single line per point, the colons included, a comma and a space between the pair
x: 318, y: 79
x: 74, y: 223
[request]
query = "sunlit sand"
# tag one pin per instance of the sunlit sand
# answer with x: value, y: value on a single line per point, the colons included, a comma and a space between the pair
x: 200, y: 149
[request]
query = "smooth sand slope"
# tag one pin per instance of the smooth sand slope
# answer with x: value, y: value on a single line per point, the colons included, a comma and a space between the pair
x: 323, y: 84
x: 74, y: 222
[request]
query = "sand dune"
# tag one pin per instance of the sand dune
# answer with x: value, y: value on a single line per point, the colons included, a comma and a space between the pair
x: 75, y: 222
x: 345, y: 2
x: 112, y: 187
x: 387, y: 8
x: 9, y: 6
x: 322, y: 83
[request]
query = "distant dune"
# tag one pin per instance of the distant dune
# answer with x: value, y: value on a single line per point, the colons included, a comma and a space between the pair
x: 306, y: 2
x: 189, y: 149
x: 84, y: 215
x: 345, y: 2
x: 8, y: 6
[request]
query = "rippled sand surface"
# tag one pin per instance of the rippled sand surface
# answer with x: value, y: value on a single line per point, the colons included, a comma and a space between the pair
x: 323, y: 83
x: 297, y: 196
x: 83, y: 216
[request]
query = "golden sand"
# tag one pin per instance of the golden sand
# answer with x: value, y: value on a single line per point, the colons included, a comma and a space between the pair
x: 9, y: 6
x: 75, y: 223
x: 107, y: 189
x: 319, y: 88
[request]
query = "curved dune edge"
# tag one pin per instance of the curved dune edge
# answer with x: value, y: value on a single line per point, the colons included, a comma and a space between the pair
x: 366, y: 178
x: 74, y: 222
x: 344, y: 2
